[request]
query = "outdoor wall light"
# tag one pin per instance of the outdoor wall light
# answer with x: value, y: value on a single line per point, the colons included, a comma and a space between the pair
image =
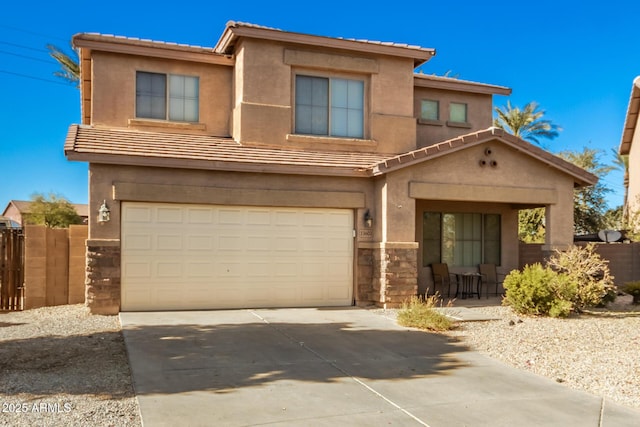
x: 368, y: 219
x: 104, y: 214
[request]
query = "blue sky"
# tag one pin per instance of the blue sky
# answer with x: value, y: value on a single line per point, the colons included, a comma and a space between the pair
x: 576, y: 59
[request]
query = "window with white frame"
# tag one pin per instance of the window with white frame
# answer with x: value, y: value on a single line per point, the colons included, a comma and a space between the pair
x: 167, y: 97
x: 458, y: 112
x: 329, y: 106
x: 461, y: 239
x: 429, y: 110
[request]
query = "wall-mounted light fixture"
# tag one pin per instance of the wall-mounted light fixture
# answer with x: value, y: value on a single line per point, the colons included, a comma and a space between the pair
x: 104, y: 214
x: 368, y: 219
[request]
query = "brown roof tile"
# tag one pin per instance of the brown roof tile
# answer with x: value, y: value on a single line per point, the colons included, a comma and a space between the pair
x: 581, y: 176
x: 118, y: 146
x: 115, y: 146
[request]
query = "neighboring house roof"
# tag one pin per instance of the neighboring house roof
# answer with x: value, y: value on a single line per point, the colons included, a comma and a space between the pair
x: 631, y: 121
x: 582, y: 177
x: 115, y: 146
x: 235, y: 30
x: 24, y: 207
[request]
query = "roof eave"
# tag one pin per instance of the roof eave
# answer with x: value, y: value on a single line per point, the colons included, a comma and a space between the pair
x: 631, y: 119
x: 176, y: 163
x: 234, y: 31
x: 150, y: 48
x: 443, y: 83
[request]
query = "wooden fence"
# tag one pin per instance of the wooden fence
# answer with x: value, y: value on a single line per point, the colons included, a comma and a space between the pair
x: 11, y: 269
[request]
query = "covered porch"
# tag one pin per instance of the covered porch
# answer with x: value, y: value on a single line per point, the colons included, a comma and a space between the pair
x: 457, y: 203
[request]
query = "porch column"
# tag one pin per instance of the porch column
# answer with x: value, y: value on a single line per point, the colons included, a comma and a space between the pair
x: 559, y: 223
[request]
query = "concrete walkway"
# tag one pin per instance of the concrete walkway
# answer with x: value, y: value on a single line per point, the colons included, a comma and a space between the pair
x: 334, y: 367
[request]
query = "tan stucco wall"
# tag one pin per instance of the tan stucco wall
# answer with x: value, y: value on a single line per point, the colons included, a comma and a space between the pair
x: 479, y: 114
x: 264, y: 92
x: 114, y: 92
x: 634, y: 174
x: 197, y: 186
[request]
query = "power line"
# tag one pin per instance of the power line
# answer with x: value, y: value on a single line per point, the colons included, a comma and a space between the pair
x: 24, y: 47
x: 35, y: 78
x: 22, y: 30
x: 27, y: 57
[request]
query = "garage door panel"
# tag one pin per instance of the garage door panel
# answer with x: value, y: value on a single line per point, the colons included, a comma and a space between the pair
x: 231, y: 243
x: 201, y: 256
x: 199, y: 243
x: 169, y: 242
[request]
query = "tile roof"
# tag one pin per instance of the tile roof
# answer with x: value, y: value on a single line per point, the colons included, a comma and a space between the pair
x: 235, y: 29
x: 126, y: 147
x: 137, y: 40
x: 117, y: 146
x: 451, y: 83
x: 465, y: 141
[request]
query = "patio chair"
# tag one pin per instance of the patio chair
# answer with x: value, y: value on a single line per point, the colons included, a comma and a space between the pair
x: 489, y: 274
x: 442, y: 277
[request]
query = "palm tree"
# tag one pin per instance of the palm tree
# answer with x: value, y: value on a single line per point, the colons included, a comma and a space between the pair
x: 526, y: 123
x: 621, y: 163
x: 70, y: 68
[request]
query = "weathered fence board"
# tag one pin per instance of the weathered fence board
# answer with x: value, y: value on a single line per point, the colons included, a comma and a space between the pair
x: 11, y: 269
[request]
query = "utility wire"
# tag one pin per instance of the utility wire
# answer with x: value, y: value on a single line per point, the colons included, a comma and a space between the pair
x: 47, y: 36
x: 35, y: 78
x: 27, y: 57
x: 24, y: 47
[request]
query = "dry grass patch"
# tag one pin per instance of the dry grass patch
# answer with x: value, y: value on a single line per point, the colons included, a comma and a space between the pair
x: 420, y: 313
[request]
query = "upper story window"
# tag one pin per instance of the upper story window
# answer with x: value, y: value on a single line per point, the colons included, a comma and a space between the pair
x: 458, y: 112
x: 329, y: 106
x: 429, y: 110
x: 167, y: 97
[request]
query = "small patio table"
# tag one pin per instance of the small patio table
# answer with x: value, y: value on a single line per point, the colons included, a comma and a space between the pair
x: 467, y: 282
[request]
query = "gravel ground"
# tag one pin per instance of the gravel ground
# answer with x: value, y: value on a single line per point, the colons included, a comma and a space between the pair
x: 598, y: 351
x: 61, y: 366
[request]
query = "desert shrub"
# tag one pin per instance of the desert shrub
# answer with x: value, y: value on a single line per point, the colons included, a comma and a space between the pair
x: 539, y: 290
x: 632, y: 288
x: 419, y: 313
x: 589, y: 272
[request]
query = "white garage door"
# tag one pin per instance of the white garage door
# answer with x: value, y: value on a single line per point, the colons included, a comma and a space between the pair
x: 201, y: 256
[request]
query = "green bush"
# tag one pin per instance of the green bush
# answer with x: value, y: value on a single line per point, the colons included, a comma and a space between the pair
x: 589, y: 272
x: 419, y: 313
x: 632, y: 288
x: 539, y: 290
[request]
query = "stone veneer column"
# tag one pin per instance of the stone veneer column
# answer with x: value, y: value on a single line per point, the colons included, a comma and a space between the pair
x: 392, y: 276
x: 102, y: 282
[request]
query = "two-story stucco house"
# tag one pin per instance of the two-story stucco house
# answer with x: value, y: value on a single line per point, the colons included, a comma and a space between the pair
x: 630, y: 146
x: 285, y: 169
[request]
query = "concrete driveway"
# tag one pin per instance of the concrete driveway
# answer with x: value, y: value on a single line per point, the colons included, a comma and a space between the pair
x: 334, y: 367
